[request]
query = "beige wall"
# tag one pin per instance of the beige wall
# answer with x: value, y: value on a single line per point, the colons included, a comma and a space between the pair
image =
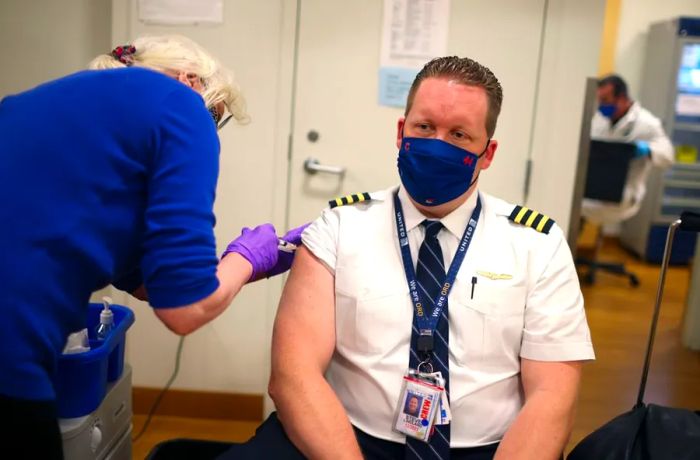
x: 571, y: 53
x: 231, y: 353
x: 635, y: 19
x: 38, y: 47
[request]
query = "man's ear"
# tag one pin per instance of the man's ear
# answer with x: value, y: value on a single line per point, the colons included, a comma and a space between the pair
x: 490, y: 152
x: 399, y: 131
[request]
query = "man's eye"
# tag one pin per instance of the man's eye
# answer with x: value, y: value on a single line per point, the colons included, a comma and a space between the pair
x: 424, y: 126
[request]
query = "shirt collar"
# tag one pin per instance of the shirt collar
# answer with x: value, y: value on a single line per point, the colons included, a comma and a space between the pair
x: 455, y: 222
x: 628, y: 117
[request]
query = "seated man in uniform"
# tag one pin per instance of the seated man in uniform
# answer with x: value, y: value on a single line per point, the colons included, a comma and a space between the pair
x: 432, y: 276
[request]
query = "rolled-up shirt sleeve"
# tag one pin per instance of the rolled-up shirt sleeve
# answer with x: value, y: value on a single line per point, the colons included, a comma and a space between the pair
x: 321, y: 238
x: 555, y: 326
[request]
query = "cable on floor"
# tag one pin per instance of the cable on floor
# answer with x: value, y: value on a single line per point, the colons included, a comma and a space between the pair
x: 156, y: 403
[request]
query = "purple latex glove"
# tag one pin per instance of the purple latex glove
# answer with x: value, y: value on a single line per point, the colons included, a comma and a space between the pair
x: 285, y: 259
x: 258, y: 246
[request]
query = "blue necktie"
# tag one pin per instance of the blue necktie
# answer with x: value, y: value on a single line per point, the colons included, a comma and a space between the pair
x: 430, y: 275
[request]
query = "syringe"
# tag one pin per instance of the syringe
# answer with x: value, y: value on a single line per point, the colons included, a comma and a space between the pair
x: 286, y: 246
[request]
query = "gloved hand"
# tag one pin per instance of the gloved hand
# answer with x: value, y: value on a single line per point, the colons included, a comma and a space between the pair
x: 643, y: 149
x: 285, y: 259
x: 258, y: 246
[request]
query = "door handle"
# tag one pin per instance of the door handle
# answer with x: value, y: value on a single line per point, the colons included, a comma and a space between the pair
x: 313, y: 166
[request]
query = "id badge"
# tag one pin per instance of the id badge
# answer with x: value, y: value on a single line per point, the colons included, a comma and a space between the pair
x: 418, y: 406
x: 444, y: 415
x: 445, y: 412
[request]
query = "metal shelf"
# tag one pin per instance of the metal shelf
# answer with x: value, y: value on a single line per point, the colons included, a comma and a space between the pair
x: 676, y: 189
x: 685, y: 126
x: 681, y: 183
x: 685, y: 172
x: 677, y: 201
x: 694, y: 167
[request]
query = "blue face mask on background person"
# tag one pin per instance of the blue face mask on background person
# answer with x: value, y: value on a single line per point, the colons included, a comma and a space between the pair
x: 434, y: 171
x: 607, y: 110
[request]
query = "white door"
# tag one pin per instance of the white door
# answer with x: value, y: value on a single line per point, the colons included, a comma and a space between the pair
x: 232, y: 353
x: 337, y: 118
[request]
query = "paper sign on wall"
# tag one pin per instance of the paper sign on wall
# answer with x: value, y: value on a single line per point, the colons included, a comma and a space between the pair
x: 413, y: 32
x: 181, y: 11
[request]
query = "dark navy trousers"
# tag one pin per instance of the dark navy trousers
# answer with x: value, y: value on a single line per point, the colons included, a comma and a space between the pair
x: 270, y: 441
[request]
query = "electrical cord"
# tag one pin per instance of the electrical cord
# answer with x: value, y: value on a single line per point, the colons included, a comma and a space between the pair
x: 156, y: 403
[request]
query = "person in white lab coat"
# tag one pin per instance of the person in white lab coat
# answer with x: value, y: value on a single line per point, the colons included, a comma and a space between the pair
x: 621, y: 119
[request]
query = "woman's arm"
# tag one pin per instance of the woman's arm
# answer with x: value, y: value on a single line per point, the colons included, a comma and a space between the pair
x: 233, y: 272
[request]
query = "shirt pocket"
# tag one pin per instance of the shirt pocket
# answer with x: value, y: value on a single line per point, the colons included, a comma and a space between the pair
x: 373, y: 314
x: 487, y: 321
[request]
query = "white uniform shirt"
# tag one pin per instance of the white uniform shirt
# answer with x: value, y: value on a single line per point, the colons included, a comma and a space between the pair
x: 638, y: 124
x: 534, y: 311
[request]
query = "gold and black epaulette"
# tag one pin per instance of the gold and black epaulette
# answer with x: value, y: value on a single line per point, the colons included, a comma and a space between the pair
x: 349, y: 199
x: 530, y: 218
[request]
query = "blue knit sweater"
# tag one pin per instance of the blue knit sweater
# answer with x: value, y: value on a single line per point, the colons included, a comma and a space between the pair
x: 105, y: 177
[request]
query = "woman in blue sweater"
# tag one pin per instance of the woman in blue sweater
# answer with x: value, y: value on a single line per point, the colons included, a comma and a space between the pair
x: 109, y: 176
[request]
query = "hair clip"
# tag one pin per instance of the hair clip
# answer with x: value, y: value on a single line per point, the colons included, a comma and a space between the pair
x: 124, y: 54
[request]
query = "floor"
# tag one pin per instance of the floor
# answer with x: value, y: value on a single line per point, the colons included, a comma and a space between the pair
x: 619, y: 317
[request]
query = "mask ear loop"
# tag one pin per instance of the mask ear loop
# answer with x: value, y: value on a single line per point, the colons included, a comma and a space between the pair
x: 479, y: 156
x: 485, y: 148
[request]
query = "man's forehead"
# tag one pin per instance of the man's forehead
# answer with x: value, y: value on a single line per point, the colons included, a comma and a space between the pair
x: 438, y: 95
x: 449, y: 85
x: 606, y: 89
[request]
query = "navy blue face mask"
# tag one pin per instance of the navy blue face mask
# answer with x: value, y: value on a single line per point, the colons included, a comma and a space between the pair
x: 434, y: 171
x: 607, y: 110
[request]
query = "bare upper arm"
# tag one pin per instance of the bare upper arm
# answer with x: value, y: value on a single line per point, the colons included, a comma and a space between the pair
x: 561, y: 377
x: 303, y: 337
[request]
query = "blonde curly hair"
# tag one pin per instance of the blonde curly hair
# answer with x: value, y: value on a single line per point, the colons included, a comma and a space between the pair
x: 174, y: 54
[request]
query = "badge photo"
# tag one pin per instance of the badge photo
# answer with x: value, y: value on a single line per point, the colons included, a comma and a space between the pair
x: 417, y: 408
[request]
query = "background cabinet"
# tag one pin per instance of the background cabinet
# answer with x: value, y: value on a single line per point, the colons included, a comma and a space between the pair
x: 670, y: 90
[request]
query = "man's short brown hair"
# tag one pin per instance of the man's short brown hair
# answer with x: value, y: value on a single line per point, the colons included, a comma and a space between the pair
x: 468, y: 72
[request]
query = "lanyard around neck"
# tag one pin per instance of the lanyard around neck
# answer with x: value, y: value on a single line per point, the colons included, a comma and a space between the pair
x: 427, y: 323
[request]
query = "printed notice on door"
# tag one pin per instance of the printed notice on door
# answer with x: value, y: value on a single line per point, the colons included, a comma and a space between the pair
x: 413, y: 32
x: 181, y: 12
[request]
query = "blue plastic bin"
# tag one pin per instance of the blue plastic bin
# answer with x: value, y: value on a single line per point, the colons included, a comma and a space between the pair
x: 683, y: 246
x: 81, y: 381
